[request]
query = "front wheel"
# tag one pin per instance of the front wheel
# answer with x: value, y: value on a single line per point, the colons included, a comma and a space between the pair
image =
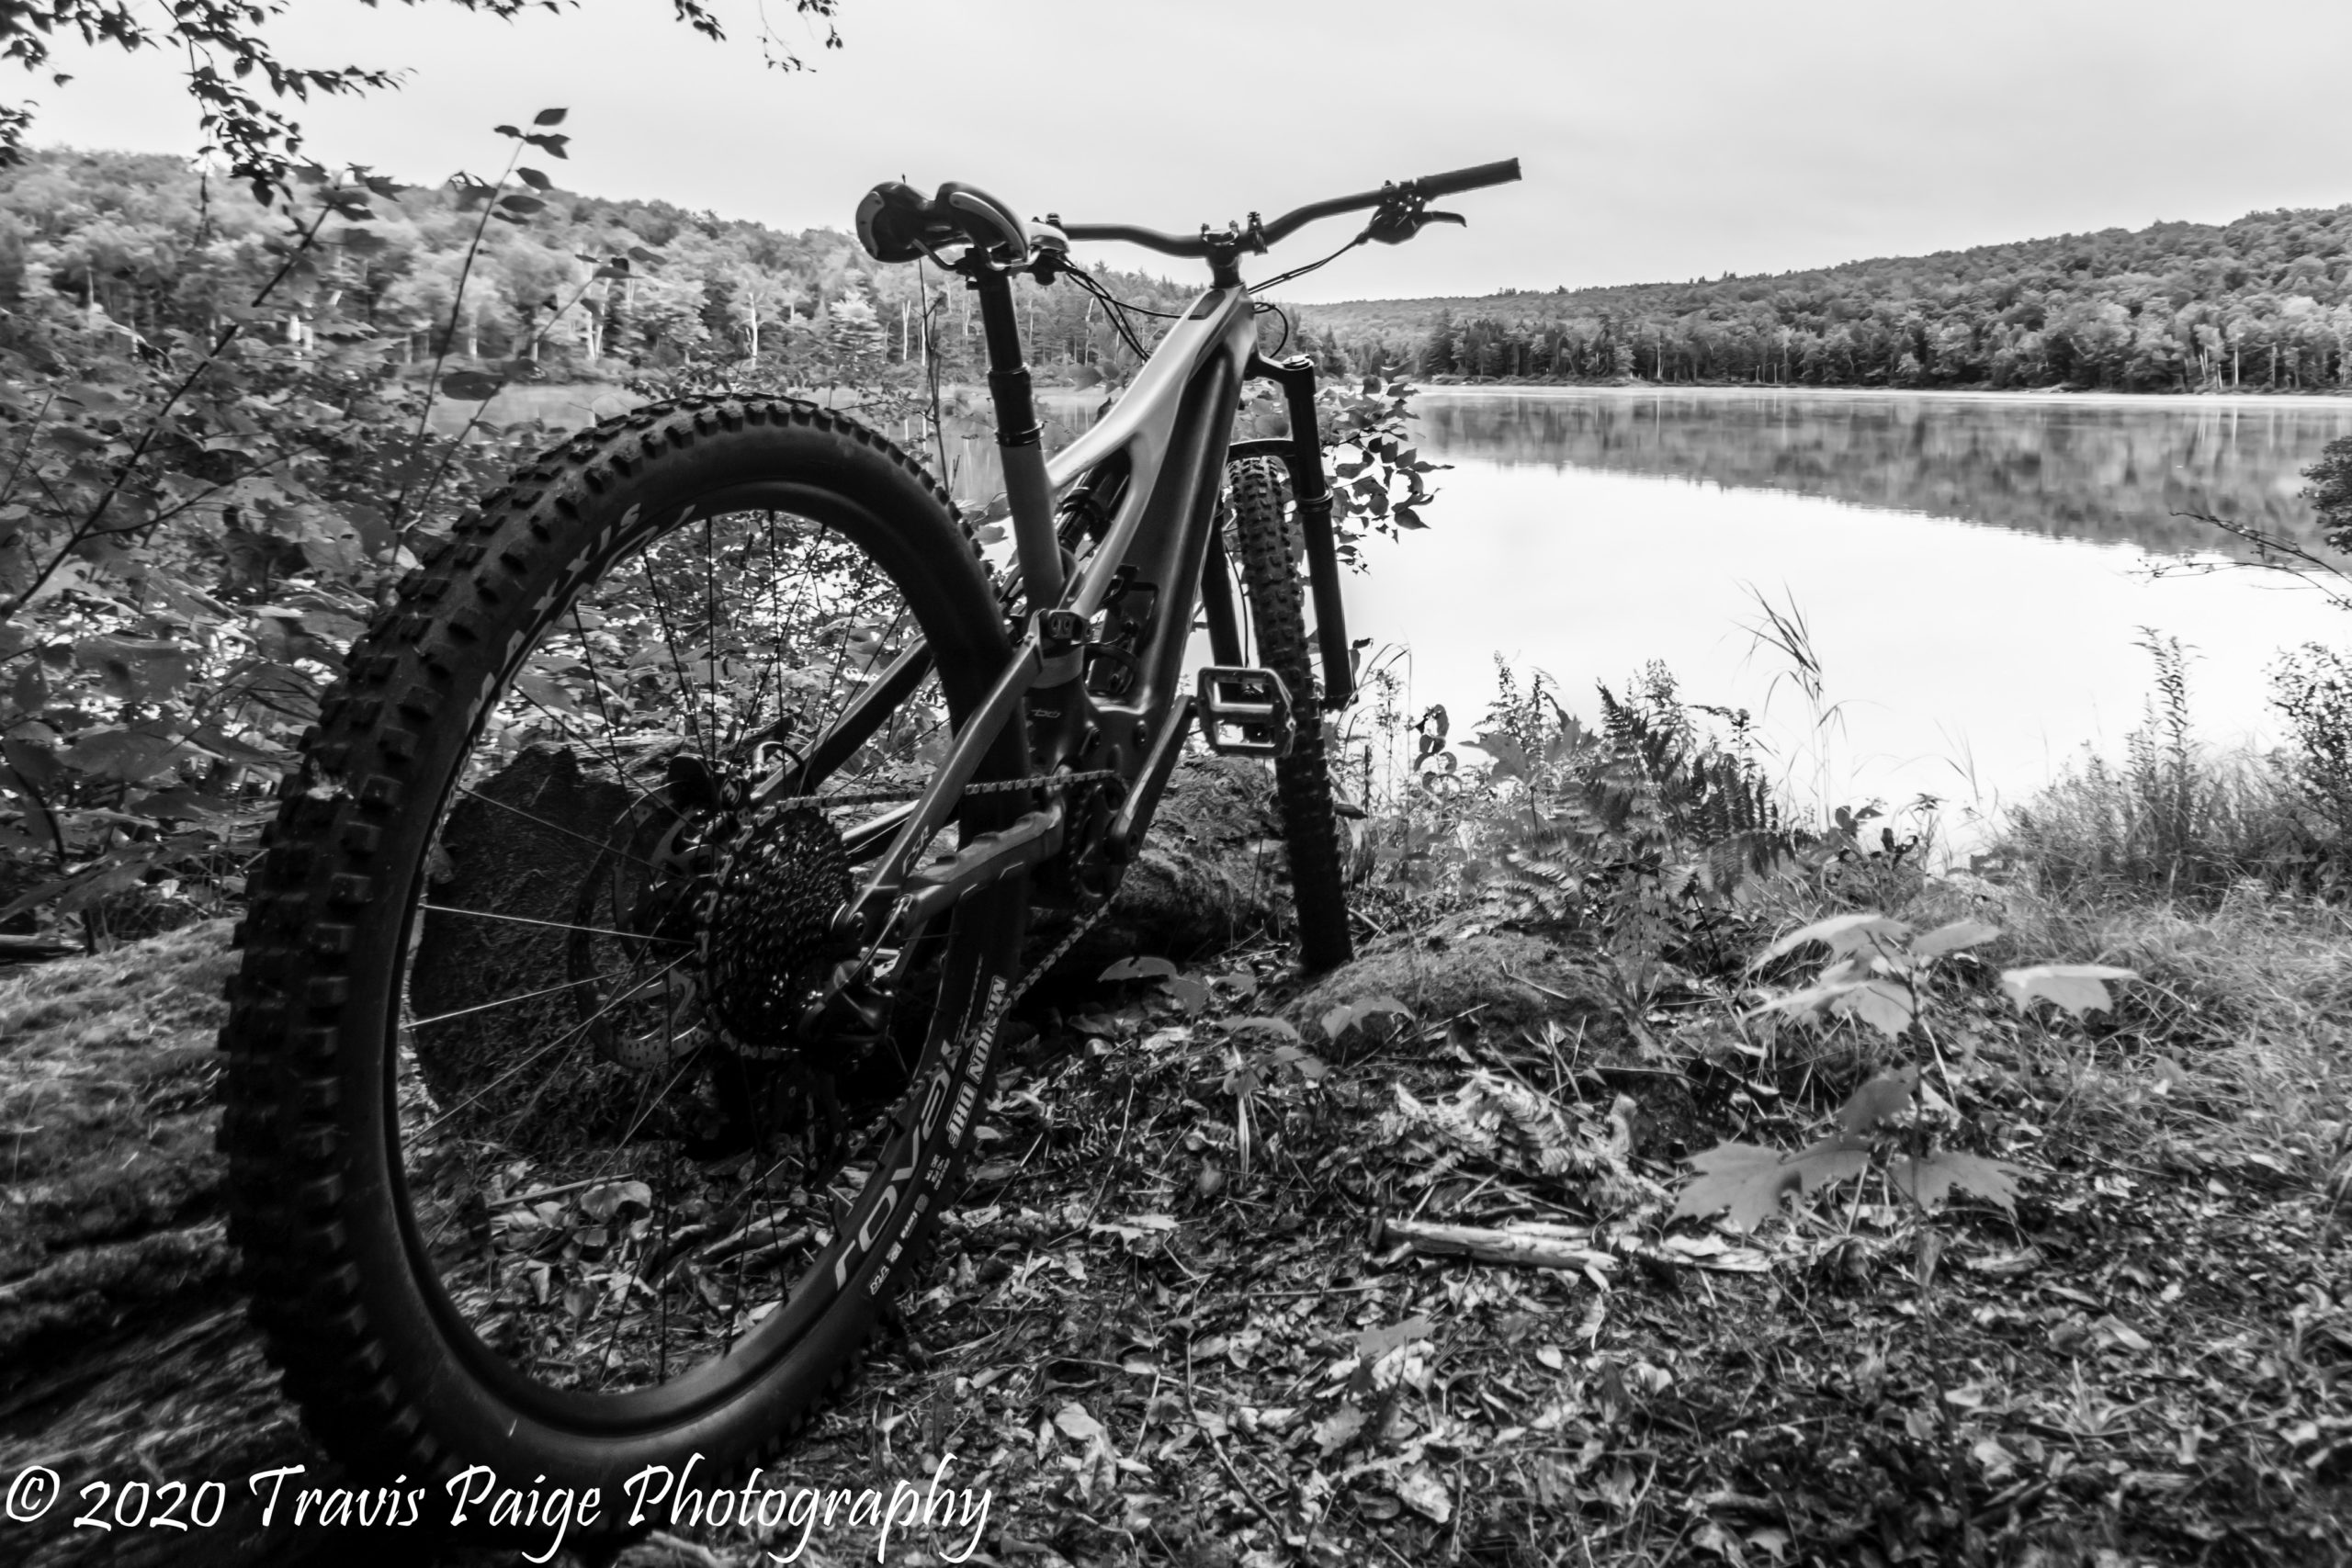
x: 1267, y: 536
x: 547, y: 1150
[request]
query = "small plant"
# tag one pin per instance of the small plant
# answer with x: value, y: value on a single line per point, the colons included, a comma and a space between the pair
x: 1883, y: 974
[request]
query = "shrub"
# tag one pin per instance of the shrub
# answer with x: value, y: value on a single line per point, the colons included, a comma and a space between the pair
x: 2176, y: 817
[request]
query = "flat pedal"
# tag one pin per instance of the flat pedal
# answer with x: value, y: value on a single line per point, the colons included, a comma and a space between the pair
x: 1245, y: 712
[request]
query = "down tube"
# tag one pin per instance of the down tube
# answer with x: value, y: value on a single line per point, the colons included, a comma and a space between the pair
x: 1172, y: 542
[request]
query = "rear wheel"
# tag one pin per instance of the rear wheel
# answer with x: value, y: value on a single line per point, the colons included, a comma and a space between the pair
x: 546, y: 1153
x: 1267, y: 538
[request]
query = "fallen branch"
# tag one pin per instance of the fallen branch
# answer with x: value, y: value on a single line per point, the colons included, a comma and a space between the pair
x: 1530, y: 1244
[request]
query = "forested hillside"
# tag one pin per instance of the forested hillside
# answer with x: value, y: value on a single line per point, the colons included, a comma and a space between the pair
x: 576, y: 286
x: 2263, y: 303
x: 581, y: 286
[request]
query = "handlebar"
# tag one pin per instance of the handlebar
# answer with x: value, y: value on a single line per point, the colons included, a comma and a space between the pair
x: 1409, y: 195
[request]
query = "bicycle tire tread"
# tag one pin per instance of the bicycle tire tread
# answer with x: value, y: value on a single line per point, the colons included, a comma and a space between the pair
x: 1265, y: 529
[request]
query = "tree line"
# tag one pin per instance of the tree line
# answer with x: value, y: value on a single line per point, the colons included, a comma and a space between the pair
x: 570, y: 286
x: 2263, y: 303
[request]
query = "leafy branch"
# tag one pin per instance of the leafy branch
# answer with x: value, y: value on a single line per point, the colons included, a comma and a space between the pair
x: 1879, y: 974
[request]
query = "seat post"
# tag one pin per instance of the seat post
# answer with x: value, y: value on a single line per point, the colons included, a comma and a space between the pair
x: 1019, y: 440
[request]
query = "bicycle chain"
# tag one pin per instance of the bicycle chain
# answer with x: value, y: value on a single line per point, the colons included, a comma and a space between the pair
x: 996, y: 787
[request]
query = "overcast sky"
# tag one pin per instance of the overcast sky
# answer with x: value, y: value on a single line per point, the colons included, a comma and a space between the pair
x: 1667, y: 138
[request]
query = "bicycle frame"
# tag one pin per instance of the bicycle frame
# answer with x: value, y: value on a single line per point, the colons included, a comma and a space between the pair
x: 1160, y: 454
x: 1163, y: 450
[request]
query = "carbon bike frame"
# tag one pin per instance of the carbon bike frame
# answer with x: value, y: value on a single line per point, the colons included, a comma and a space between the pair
x: 1130, y: 509
x: 1158, y: 455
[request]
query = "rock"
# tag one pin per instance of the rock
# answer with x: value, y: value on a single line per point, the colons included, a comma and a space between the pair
x: 112, y: 1188
x: 1510, y: 983
x: 124, y: 1353
x: 525, y: 843
x: 1214, y: 872
x: 1493, y: 980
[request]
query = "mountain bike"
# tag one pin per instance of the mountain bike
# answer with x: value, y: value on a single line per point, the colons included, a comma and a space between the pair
x: 625, y: 972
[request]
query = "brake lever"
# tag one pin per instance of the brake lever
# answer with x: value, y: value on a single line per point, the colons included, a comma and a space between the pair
x: 1396, y: 224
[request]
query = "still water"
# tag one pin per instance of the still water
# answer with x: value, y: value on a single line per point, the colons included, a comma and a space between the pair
x: 1974, y: 571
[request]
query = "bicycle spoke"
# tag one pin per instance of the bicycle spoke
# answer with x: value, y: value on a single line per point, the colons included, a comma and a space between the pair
x: 537, y: 821
x: 551, y: 925
x: 799, y: 639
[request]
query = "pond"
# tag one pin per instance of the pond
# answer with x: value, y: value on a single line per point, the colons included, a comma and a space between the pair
x: 1973, y: 570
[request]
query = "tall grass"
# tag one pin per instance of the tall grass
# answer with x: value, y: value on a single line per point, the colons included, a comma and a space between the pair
x: 2176, y: 819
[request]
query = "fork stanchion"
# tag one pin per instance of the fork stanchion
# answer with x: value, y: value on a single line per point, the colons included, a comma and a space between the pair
x: 1311, y: 492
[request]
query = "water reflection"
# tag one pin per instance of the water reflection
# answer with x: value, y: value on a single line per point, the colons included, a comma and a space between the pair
x: 1972, y: 569
x: 2106, y: 472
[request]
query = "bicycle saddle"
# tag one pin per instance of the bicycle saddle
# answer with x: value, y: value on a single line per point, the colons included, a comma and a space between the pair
x: 896, y: 223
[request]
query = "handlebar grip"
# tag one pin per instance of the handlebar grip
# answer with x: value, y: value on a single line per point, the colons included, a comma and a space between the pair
x: 1499, y: 174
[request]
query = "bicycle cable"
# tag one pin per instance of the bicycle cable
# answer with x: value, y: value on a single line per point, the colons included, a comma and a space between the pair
x: 1263, y: 307
x: 1282, y: 278
x: 1116, y: 310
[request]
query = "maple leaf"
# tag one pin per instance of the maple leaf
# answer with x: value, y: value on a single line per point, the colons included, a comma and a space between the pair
x: 1842, y: 934
x: 1743, y: 1178
x: 1832, y: 1159
x: 1748, y: 1180
x: 1952, y: 937
x: 1879, y: 1102
x: 2077, y: 987
x: 1883, y: 1004
x: 1931, y: 1181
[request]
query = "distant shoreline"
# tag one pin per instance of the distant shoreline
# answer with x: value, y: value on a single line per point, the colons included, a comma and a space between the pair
x: 1958, y: 394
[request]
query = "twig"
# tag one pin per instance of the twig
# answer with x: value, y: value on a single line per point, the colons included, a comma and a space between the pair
x: 686, y: 1548
x: 1217, y: 1448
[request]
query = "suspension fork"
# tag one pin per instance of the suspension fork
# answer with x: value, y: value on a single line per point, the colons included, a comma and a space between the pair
x: 1311, y: 492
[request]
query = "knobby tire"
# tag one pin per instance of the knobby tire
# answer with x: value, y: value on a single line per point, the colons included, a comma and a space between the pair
x: 1266, y: 533
x: 330, y: 1213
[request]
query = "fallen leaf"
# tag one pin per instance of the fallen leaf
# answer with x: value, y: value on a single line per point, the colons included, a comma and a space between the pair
x: 2122, y: 1333
x: 1420, y: 1490
x: 1374, y: 1342
x: 1338, y: 1429
x: 1076, y: 1424
x: 1713, y: 1537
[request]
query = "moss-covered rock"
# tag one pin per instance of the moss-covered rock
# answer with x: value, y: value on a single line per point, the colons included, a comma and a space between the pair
x: 107, y: 1071
x: 1492, y: 980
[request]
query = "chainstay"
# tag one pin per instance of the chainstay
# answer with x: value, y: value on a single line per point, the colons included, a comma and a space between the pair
x: 994, y: 786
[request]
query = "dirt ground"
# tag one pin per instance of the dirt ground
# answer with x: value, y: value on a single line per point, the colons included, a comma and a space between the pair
x: 1173, y: 1322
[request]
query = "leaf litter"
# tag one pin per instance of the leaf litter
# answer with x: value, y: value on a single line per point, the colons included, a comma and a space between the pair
x: 1148, y: 1367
